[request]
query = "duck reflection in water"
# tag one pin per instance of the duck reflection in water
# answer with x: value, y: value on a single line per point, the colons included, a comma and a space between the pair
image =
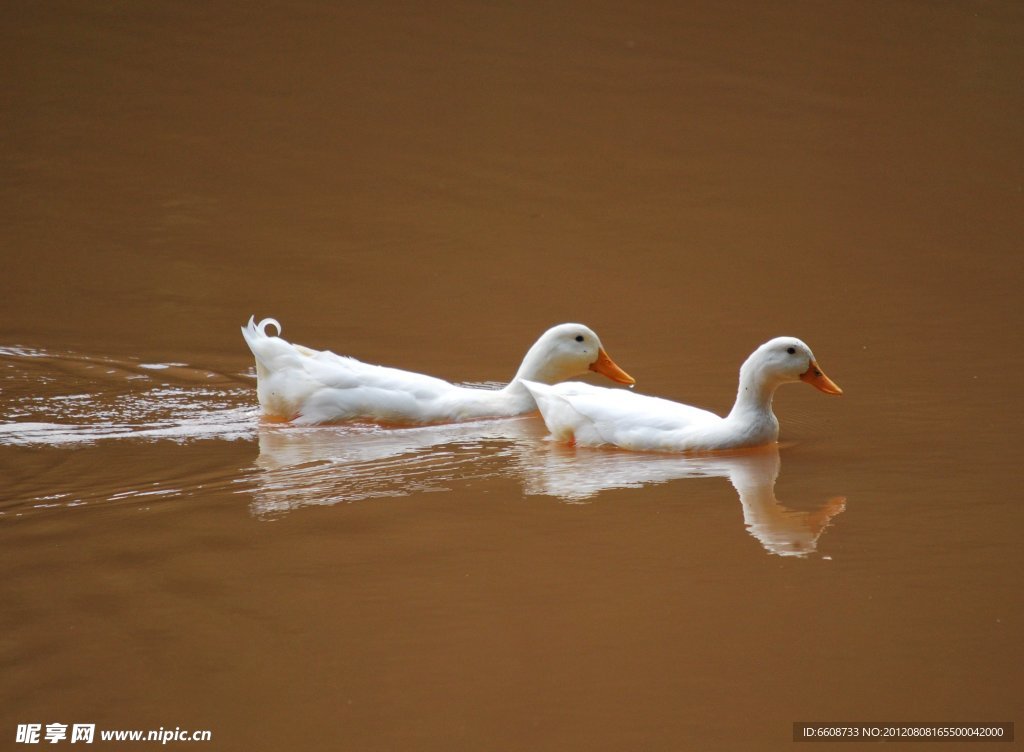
x: 576, y: 474
x: 300, y: 467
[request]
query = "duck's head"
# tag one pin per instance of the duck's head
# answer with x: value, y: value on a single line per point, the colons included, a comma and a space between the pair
x: 569, y: 350
x: 786, y: 359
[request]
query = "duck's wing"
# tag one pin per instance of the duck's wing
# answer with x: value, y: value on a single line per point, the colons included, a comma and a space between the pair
x: 592, y: 415
x: 346, y: 388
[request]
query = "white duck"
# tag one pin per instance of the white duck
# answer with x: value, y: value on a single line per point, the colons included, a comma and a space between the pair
x: 592, y: 416
x: 305, y: 386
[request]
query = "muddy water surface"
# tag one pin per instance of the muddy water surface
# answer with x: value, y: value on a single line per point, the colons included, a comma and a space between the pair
x: 431, y: 188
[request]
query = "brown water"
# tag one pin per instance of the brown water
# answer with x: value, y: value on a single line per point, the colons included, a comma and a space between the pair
x: 431, y: 187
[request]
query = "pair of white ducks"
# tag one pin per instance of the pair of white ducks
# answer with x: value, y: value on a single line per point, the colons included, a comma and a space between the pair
x: 306, y: 386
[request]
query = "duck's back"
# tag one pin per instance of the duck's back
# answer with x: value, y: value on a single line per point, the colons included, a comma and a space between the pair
x: 348, y: 389
x: 590, y: 415
x: 307, y: 386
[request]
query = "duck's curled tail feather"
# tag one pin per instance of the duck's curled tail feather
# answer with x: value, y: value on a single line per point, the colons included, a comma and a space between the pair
x: 256, y: 335
x: 269, y: 350
x: 260, y: 330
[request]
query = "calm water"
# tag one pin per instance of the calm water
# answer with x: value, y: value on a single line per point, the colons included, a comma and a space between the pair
x: 432, y: 187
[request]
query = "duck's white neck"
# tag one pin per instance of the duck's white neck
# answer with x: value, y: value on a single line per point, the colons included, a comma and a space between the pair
x: 538, y: 366
x: 519, y: 397
x: 753, y: 407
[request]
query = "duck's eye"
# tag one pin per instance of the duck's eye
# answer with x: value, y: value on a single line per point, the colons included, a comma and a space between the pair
x: 791, y: 350
x: 579, y: 337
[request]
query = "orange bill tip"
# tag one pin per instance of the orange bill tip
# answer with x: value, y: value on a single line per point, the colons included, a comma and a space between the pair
x: 817, y: 378
x: 605, y: 366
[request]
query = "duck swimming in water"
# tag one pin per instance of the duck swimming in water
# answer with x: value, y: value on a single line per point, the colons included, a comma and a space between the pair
x: 305, y: 386
x: 592, y: 416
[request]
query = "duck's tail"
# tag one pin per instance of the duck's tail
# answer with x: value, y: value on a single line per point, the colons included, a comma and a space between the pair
x: 558, y: 414
x: 262, y: 344
x: 253, y: 331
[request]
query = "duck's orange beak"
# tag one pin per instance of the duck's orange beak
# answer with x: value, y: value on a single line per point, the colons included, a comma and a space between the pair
x: 816, y: 378
x: 606, y: 367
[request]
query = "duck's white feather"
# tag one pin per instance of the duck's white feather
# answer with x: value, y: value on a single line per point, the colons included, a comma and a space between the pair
x: 307, y: 386
x: 594, y: 416
x: 598, y: 416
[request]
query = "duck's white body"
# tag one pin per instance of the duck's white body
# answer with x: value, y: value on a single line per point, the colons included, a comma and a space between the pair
x: 306, y: 386
x: 593, y: 416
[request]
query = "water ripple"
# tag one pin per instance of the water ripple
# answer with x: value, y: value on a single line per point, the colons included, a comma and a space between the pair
x: 68, y: 398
